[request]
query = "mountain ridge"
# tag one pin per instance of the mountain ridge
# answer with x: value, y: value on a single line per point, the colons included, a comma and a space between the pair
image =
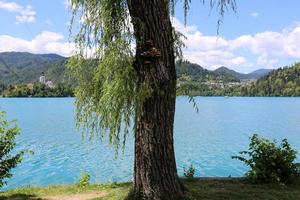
x: 284, y: 81
x: 256, y: 74
x: 24, y: 67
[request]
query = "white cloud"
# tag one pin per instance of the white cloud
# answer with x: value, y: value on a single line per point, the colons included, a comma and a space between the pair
x: 208, y: 51
x: 268, y: 63
x: 46, y: 42
x: 285, y: 44
x: 254, y: 14
x: 213, y: 59
x: 24, y: 14
x: 244, y: 53
x: 10, y: 6
x: 264, y: 49
x: 238, y: 60
x: 266, y: 43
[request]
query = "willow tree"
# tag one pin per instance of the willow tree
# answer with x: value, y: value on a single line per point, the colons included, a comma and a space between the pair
x: 125, y: 68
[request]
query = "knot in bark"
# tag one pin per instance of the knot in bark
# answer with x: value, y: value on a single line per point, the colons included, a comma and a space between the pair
x: 151, y: 53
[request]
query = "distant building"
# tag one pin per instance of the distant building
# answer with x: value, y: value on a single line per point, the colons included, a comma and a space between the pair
x: 50, y: 84
x: 43, y: 78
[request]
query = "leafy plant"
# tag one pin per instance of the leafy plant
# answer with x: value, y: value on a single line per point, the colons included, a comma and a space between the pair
x: 8, y: 133
x: 270, y: 161
x: 189, y: 172
x: 84, y: 179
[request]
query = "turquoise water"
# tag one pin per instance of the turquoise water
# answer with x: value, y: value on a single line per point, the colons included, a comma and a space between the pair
x: 206, y: 139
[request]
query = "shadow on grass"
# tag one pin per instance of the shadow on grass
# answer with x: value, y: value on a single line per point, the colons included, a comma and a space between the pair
x: 238, y: 189
x: 20, y: 197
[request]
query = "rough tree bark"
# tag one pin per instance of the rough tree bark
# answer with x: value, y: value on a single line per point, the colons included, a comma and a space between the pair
x: 155, y: 173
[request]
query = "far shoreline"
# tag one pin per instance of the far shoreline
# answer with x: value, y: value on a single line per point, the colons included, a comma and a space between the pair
x: 225, y: 97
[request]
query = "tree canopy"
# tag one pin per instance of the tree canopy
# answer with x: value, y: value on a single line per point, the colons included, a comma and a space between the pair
x: 8, y: 160
x: 281, y: 82
x: 108, y: 93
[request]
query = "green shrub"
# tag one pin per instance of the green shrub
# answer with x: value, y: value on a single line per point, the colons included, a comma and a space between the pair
x: 84, y: 180
x: 8, y: 133
x: 189, y: 172
x: 270, y: 161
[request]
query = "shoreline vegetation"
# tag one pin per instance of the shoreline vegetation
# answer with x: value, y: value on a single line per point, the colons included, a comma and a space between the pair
x: 19, y: 79
x: 197, y: 188
x: 264, y: 181
x: 125, y: 68
x: 283, y: 82
x: 38, y: 90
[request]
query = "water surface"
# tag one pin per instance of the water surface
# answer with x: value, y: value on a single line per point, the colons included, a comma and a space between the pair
x: 206, y: 139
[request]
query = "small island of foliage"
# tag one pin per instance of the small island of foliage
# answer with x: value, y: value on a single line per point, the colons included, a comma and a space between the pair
x: 38, y: 90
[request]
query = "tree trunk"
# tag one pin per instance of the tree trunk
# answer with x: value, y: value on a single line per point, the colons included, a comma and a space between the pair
x: 155, y: 173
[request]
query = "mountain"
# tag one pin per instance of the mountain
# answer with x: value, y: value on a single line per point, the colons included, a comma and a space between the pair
x: 198, y: 73
x: 193, y: 70
x: 21, y: 67
x: 280, y: 82
x: 253, y: 75
x: 223, y: 73
x: 257, y: 74
x: 226, y: 71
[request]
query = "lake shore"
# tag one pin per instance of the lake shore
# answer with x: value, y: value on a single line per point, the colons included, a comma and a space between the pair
x: 206, y: 139
x: 199, y: 188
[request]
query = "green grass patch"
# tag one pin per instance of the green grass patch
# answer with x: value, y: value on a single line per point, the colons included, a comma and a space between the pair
x: 239, y: 189
x: 204, y: 189
x: 115, y: 191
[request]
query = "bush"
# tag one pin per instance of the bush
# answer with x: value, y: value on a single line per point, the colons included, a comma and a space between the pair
x: 8, y: 134
x: 189, y: 172
x: 84, y: 180
x: 270, y: 161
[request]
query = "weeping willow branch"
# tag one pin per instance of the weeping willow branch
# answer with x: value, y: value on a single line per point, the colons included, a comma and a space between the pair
x: 221, y: 5
x: 108, y: 96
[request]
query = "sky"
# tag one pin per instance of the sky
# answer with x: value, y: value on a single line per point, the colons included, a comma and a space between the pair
x: 261, y: 34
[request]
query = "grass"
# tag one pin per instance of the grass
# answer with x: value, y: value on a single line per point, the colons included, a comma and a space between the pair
x: 204, y: 189
x: 239, y: 190
x: 115, y: 191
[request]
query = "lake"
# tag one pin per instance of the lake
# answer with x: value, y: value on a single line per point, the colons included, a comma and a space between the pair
x: 206, y: 139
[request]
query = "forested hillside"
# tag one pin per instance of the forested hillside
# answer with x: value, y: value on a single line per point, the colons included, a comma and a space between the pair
x: 19, y: 67
x: 198, y: 73
x: 281, y: 82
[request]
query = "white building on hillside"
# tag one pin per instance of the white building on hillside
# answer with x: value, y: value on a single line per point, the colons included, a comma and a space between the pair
x: 49, y: 83
x: 43, y: 78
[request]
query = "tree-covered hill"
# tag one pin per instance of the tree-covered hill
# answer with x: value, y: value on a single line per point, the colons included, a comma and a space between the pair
x: 198, y: 73
x: 21, y: 67
x: 281, y: 82
x: 241, y: 76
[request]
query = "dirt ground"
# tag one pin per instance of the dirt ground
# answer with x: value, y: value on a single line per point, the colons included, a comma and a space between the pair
x: 84, y: 196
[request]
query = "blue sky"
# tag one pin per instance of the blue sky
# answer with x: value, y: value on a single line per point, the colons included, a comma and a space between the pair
x: 262, y: 34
